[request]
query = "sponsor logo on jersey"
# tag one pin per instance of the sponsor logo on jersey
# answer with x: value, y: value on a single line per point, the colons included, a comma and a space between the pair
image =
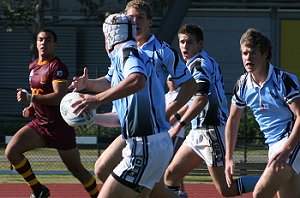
x: 43, y: 80
x: 59, y: 73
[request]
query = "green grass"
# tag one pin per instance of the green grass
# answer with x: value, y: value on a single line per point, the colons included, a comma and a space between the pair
x: 69, y: 179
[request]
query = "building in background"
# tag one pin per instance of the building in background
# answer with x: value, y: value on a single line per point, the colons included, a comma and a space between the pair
x: 81, y: 41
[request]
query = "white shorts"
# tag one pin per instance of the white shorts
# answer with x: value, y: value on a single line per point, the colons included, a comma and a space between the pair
x: 208, y: 143
x: 294, y: 159
x: 145, y: 159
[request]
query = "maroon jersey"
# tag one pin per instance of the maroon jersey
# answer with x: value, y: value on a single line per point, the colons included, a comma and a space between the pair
x: 41, y: 76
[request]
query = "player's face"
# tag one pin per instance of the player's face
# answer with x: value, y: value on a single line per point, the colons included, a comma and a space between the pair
x: 45, y: 45
x: 253, y: 60
x: 189, y: 46
x: 143, y: 24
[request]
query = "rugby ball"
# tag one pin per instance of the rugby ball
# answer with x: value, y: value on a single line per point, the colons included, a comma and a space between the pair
x: 66, y: 111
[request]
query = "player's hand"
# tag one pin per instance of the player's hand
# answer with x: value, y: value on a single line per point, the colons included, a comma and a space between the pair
x: 86, y: 105
x: 229, y: 169
x: 28, y: 112
x: 23, y: 96
x: 278, y: 161
x: 172, y: 120
x: 80, y: 83
x: 175, y: 129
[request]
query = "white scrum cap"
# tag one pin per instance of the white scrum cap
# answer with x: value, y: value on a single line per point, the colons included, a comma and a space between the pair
x: 118, y: 28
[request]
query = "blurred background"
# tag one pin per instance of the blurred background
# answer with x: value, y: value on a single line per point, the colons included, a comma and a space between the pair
x: 78, y: 24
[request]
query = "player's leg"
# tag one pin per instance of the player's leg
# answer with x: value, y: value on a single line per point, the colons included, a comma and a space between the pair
x: 112, y: 188
x: 71, y: 159
x: 179, y: 167
x: 218, y: 178
x: 109, y: 159
x: 271, y: 181
x: 161, y: 191
x: 141, y: 167
x: 14, y: 153
x: 291, y: 188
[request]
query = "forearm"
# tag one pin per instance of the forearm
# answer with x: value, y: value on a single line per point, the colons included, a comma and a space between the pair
x: 195, y: 108
x: 231, y: 132
x: 98, y: 85
x: 130, y: 85
x: 294, y: 137
x: 107, y: 119
x: 187, y: 90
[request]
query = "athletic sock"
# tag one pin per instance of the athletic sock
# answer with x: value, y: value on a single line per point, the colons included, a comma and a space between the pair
x: 24, y: 169
x: 91, y: 187
x: 247, y: 183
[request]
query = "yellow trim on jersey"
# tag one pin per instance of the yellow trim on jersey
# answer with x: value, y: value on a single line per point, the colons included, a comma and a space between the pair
x: 60, y: 81
x: 43, y: 62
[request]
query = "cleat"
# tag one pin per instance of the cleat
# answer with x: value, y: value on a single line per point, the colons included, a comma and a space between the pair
x: 44, y: 193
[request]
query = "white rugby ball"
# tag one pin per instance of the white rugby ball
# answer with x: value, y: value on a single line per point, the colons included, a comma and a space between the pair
x: 66, y: 111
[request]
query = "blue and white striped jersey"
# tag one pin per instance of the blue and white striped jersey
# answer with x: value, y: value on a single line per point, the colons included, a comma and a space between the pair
x: 269, y: 102
x: 167, y: 61
x: 207, y: 73
x: 142, y: 113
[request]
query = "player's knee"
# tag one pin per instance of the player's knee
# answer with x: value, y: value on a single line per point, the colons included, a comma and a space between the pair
x: 170, y: 176
x: 9, y: 153
x: 100, y: 171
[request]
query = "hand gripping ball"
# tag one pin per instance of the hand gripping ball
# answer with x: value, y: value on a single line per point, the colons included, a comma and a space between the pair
x: 66, y: 111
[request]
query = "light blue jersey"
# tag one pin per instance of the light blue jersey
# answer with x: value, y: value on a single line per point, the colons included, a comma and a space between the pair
x: 269, y: 102
x: 208, y: 76
x: 142, y: 113
x: 167, y: 61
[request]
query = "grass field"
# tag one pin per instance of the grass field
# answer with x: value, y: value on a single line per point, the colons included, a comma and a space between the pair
x: 69, y: 179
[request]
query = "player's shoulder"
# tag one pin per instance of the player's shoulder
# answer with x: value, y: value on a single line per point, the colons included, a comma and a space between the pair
x: 56, y: 63
x: 33, y: 64
x: 159, y: 44
x: 241, y: 82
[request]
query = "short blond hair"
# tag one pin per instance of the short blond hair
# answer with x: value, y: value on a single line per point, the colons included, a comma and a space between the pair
x: 139, y: 4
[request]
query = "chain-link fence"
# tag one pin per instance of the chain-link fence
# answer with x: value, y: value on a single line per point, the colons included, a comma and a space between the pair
x: 250, y: 155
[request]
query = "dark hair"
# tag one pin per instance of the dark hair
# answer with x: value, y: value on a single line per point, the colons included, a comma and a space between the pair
x: 140, y: 4
x: 253, y: 38
x: 193, y: 30
x: 51, y: 32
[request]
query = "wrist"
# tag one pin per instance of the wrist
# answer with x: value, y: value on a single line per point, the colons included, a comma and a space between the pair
x: 182, y: 123
x: 177, y: 116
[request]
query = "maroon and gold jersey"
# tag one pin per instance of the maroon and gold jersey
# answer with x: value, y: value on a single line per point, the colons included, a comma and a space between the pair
x: 41, y: 76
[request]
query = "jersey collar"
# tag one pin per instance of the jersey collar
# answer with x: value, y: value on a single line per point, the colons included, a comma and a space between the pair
x: 252, y: 84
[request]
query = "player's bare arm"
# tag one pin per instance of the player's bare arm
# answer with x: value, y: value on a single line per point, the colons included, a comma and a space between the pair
x: 187, y: 90
x: 231, y: 132
x: 131, y: 84
x: 198, y: 104
x: 280, y: 158
x: 110, y: 119
x: 95, y: 85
